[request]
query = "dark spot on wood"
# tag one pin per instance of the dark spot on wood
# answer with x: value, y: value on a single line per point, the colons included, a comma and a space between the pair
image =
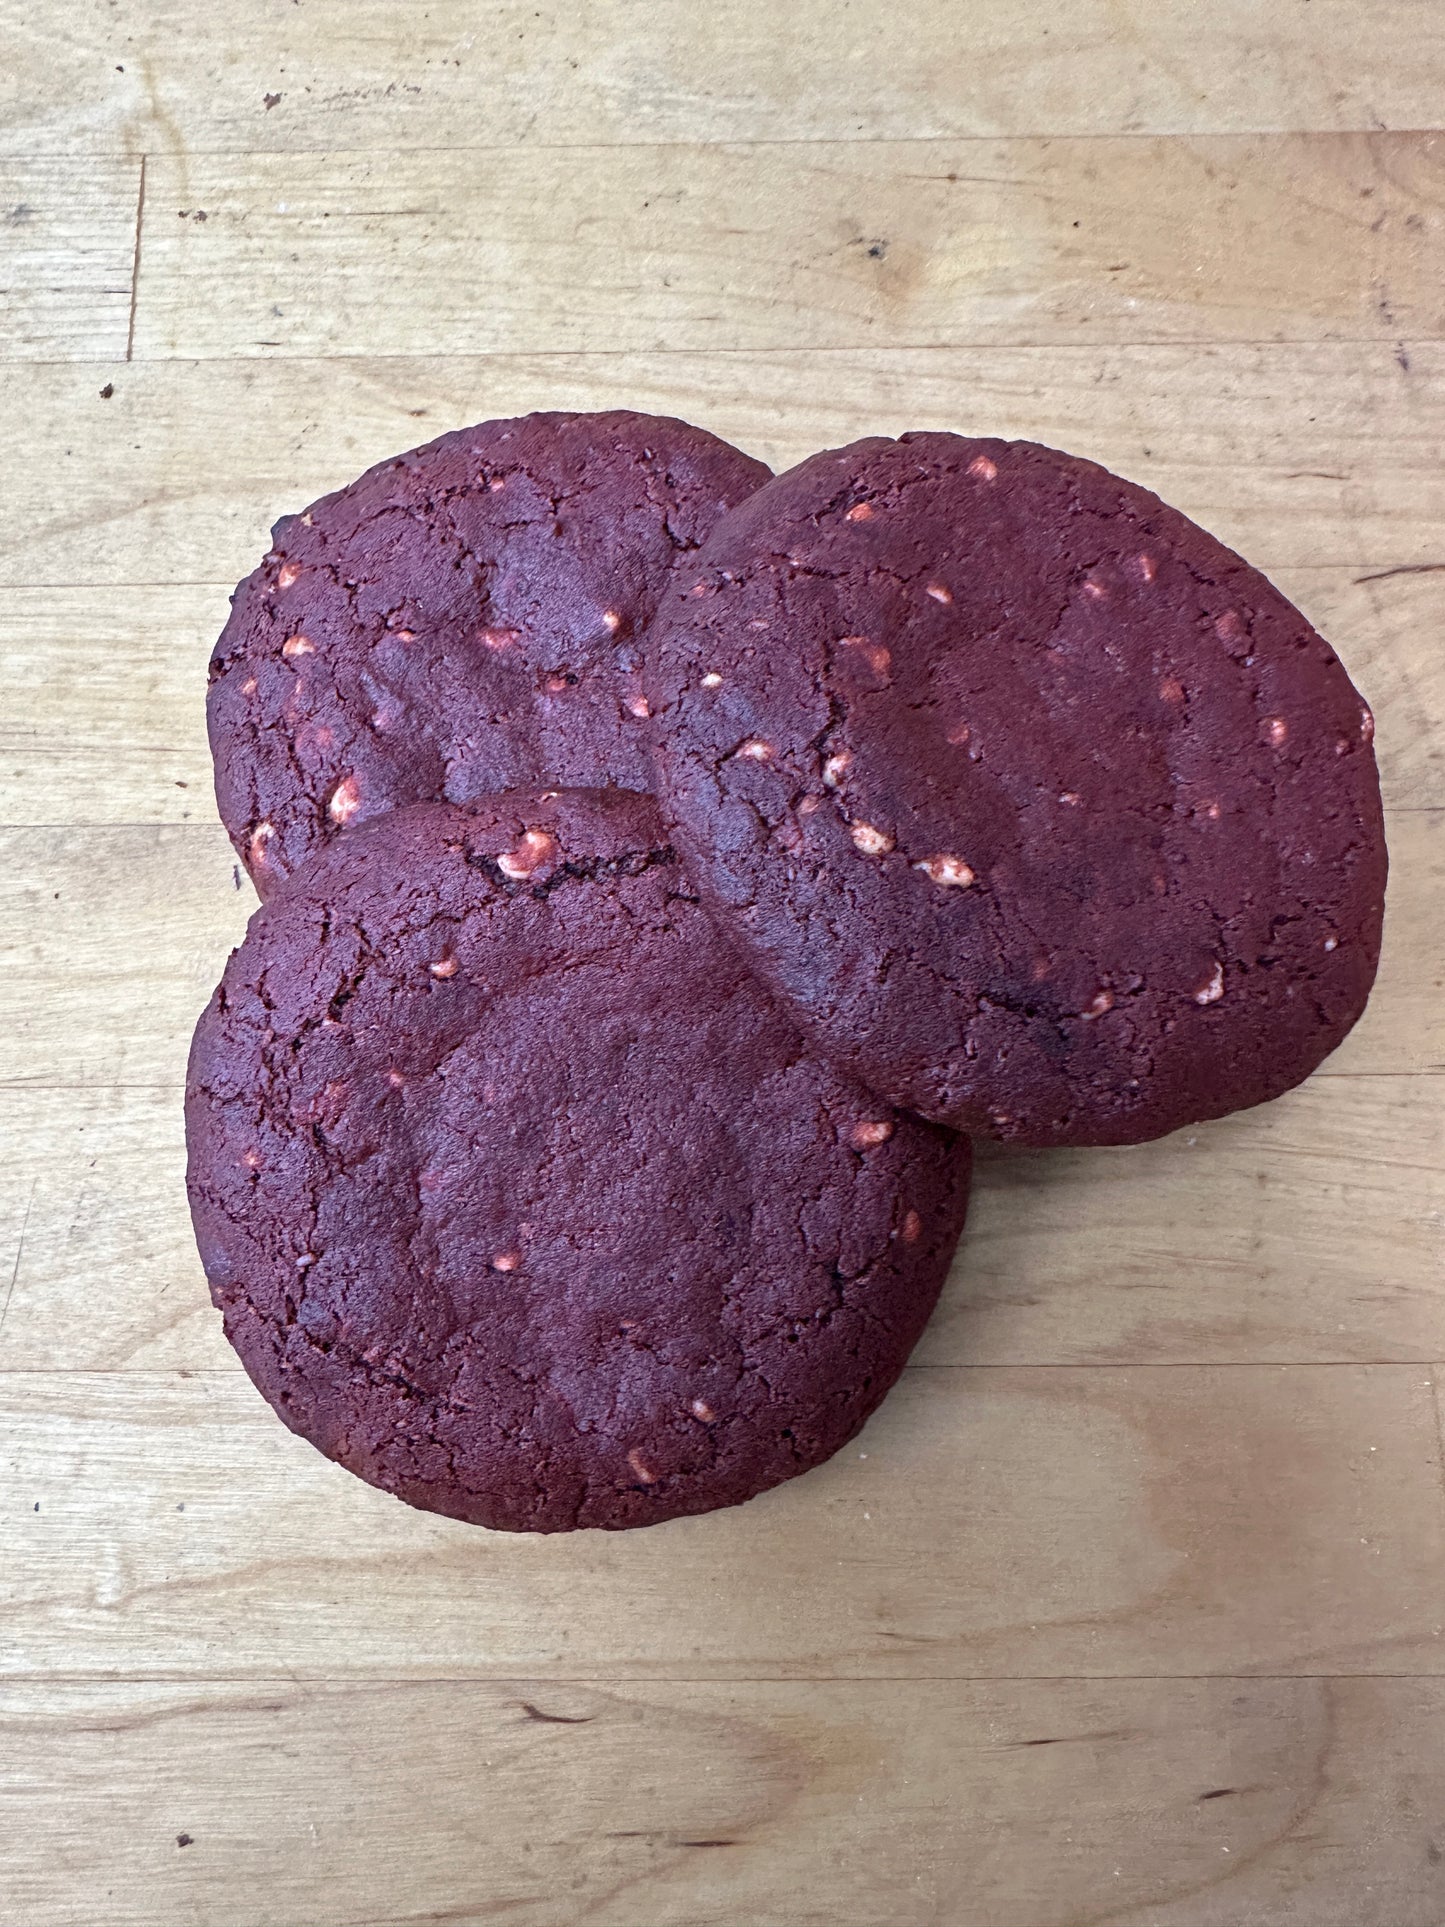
x: 555, y: 1719
x: 236, y: 875
x: 1433, y: 1853
x: 271, y: 100
x: 183, y: 1840
x: 107, y: 391
x: 1217, y: 1793
x: 1402, y: 356
x: 18, y: 215
x: 707, y: 1843
x: 877, y: 250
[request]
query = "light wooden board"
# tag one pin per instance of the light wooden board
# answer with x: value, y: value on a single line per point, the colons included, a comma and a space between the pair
x: 181, y: 76
x: 1129, y: 1606
x: 1060, y: 1521
x: 1083, y: 1257
x: 818, y: 245
x: 1303, y: 456
x: 67, y: 251
x: 102, y: 696
x: 778, y: 1804
x: 80, y: 1010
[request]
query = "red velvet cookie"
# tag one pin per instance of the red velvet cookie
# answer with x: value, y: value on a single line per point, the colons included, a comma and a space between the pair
x: 523, y: 1201
x: 462, y: 619
x: 1044, y: 813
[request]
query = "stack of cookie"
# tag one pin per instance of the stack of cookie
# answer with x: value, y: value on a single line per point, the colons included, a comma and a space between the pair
x: 666, y: 868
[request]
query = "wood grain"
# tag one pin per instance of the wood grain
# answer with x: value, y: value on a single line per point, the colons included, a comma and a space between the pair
x: 67, y: 245
x: 1324, y: 455
x: 1177, y: 1414
x: 1060, y: 1522
x: 102, y: 698
x: 774, y: 1803
x: 179, y: 76
x: 102, y: 704
x: 111, y: 940
x: 822, y: 245
x: 1331, y: 1248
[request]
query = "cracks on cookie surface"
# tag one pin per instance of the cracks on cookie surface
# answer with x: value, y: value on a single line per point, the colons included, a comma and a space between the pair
x: 747, y: 1395
x: 592, y: 487
x: 775, y: 879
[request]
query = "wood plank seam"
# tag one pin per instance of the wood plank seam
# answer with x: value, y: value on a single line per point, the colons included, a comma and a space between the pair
x: 140, y: 206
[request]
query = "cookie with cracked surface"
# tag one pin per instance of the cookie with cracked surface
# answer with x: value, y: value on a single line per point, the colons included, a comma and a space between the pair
x: 460, y: 620
x: 522, y: 1200
x: 1044, y: 812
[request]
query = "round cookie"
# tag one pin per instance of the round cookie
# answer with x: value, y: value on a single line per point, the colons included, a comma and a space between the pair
x: 462, y: 619
x: 1043, y: 812
x: 523, y: 1201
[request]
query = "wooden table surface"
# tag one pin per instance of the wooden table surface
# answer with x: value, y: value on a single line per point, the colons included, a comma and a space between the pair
x: 1129, y: 1607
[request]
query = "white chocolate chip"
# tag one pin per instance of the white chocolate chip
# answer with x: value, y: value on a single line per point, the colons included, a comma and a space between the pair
x: 809, y: 804
x: 298, y: 645
x: 535, y: 848
x: 1146, y: 567
x: 958, y: 734
x: 395, y: 1079
x: 1276, y: 729
x: 949, y: 871
x: 1332, y: 943
x: 287, y: 574
x: 837, y: 767
x: 1071, y: 797
x: 497, y: 484
x: 756, y: 750
x: 345, y: 801
x: 260, y: 837
x: 871, y: 841
x: 698, y: 588
x: 1211, y: 992
x: 306, y: 520
x: 700, y: 1409
x: 644, y: 1471
x: 506, y: 1260
x: 497, y: 639
x: 447, y: 967
x: 878, y: 659
x: 1095, y: 590
x: 1171, y: 690
x: 1228, y: 627
x: 983, y: 469
x: 251, y: 1159
x: 639, y: 706
x: 712, y: 680
x: 860, y: 512
x: 1101, y: 1001
x: 248, y: 687
x: 940, y: 594
x: 1367, y: 726
x: 611, y: 621
x: 912, y: 1228
x: 868, y: 1133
